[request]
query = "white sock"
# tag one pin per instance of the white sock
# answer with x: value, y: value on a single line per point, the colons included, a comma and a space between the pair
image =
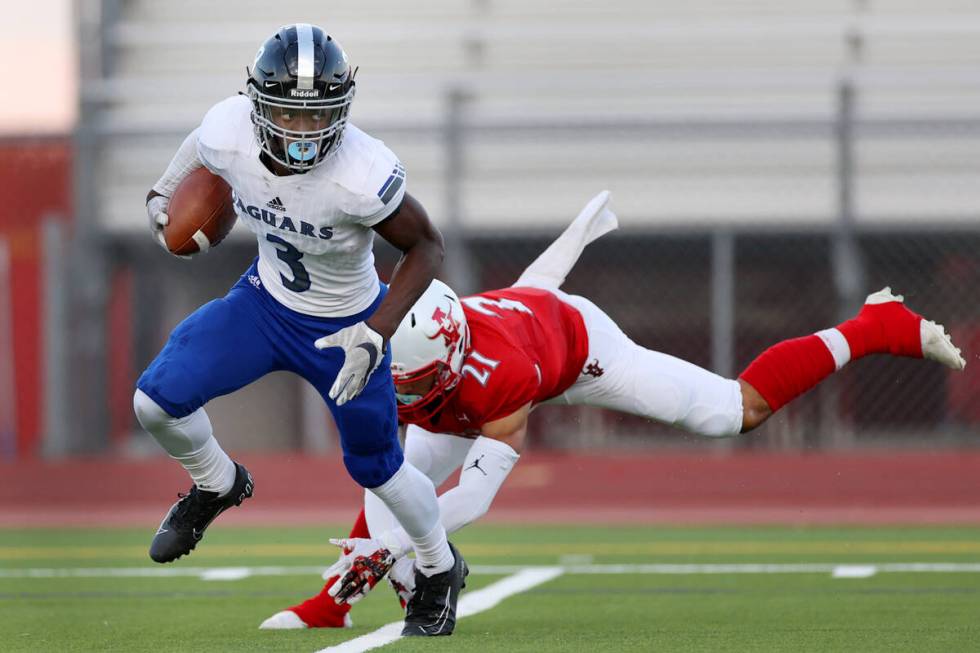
x: 210, y: 467
x: 411, y: 498
x: 380, y: 520
x: 837, y: 344
x: 432, y: 554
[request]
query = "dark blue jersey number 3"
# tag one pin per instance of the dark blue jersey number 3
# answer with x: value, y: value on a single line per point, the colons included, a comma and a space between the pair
x: 289, y: 255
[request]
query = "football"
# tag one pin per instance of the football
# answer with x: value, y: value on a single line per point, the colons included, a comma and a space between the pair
x: 201, y: 213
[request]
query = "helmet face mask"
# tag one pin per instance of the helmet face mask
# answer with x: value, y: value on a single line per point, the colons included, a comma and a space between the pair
x: 301, y: 87
x: 420, y: 407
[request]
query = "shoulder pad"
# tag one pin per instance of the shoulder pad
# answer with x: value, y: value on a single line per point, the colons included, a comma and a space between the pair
x: 225, y: 132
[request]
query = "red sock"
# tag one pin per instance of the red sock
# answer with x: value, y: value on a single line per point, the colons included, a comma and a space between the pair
x: 788, y: 369
x: 889, y: 328
x: 321, y: 611
x: 360, y: 527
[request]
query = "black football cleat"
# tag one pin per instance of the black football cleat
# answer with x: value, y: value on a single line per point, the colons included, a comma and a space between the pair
x: 185, y: 523
x: 432, y: 610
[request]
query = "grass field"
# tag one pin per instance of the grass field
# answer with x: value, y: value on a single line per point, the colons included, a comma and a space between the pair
x: 616, y: 589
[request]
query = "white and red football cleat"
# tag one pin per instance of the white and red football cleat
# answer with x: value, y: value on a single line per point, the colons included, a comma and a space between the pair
x: 902, y: 332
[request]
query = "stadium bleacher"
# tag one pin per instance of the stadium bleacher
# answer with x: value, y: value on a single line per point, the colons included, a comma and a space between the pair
x: 661, y: 102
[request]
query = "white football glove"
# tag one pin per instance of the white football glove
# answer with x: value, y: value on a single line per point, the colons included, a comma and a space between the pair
x: 156, y: 211
x: 401, y: 577
x: 364, y: 348
x: 362, y: 566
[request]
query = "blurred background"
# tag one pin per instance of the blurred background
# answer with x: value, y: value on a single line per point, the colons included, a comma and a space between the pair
x: 771, y: 163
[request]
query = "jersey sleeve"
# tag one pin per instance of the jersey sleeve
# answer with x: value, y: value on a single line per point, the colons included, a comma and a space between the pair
x: 219, y: 136
x: 383, y: 189
x: 184, y: 162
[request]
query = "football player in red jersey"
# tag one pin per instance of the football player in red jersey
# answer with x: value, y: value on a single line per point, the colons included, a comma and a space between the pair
x: 468, y: 371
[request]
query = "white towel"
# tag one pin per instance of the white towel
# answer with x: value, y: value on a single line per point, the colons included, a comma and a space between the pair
x: 549, y: 270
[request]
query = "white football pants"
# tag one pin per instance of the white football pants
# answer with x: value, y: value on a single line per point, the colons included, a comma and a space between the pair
x: 648, y: 383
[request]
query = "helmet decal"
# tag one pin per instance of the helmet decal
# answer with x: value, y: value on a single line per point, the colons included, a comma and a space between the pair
x: 304, y: 65
x: 448, y: 327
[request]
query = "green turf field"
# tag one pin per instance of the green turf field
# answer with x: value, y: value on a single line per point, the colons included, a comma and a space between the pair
x: 81, y: 591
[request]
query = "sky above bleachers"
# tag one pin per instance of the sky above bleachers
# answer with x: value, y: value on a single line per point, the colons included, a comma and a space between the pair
x: 38, y: 36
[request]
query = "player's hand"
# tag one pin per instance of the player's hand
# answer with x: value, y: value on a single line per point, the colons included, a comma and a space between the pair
x: 156, y: 211
x: 363, y: 564
x: 364, y: 348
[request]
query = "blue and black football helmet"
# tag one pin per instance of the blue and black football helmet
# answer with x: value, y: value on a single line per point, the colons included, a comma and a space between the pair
x: 301, y: 87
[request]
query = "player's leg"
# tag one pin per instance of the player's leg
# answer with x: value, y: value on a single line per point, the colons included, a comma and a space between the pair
x: 485, y: 464
x: 373, y: 457
x: 621, y: 375
x: 217, y: 349
x: 883, y: 326
x: 435, y: 455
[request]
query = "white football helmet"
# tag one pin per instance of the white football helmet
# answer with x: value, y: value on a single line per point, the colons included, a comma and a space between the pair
x: 432, y: 340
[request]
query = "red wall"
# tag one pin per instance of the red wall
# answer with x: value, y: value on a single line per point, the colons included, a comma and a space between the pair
x: 881, y: 487
x: 35, y: 180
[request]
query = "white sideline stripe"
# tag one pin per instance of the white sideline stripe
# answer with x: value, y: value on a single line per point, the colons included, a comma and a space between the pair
x: 854, y: 571
x: 500, y: 570
x: 226, y: 573
x: 469, y: 604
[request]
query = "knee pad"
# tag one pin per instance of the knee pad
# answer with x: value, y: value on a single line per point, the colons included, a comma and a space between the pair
x: 715, y: 409
x: 178, y: 436
x: 373, y: 469
x: 149, y: 413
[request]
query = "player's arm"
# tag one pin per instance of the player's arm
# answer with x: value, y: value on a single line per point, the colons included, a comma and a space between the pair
x: 511, y: 430
x: 409, y: 229
x: 488, y: 462
x: 185, y: 161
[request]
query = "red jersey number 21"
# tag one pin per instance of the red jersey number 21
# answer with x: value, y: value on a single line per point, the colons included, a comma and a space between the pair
x: 479, y: 367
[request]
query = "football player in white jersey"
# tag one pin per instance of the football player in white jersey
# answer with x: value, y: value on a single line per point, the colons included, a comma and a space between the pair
x: 314, y: 190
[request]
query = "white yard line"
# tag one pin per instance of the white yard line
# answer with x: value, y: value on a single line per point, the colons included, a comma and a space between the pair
x: 205, y: 573
x: 470, y: 603
x: 227, y: 573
